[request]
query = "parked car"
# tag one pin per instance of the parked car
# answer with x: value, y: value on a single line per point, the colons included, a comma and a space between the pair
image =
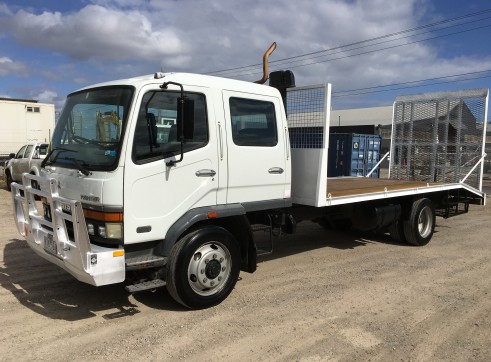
x: 27, y: 159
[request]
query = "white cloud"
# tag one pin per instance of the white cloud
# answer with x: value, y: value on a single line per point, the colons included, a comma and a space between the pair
x: 96, y: 32
x: 47, y: 96
x: 80, y: 80
x: 8, y: 66
x: 120, y: 3
x: 4, y: 9
x: 123, y: 38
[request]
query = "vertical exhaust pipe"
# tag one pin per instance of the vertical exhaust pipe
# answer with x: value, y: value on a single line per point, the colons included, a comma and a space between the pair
x: 265, y: 64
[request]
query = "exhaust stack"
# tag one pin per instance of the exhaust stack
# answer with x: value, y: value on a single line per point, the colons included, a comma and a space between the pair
x: 265, y: 64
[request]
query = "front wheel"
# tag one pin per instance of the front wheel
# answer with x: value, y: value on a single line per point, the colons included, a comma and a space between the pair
x: 8, y: 180
x: 203, y: 268
x: 419, y: 227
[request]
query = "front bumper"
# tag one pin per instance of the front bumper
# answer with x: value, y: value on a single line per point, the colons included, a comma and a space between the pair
x: 52, y: 241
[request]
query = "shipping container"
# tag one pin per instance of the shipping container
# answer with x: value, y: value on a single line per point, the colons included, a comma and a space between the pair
x: 352, y: 154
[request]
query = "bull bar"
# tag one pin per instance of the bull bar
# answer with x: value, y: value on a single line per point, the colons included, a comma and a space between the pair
x: 51, y: 239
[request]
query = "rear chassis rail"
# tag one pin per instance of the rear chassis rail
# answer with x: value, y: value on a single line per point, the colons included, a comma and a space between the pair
x: 54, y: 241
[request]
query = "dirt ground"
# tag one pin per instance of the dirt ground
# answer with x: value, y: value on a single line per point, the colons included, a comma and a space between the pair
x: 320, y: 296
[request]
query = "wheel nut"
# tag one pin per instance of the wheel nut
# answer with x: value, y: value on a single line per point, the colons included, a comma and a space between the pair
x: 212, y: 283
x: 202, y: 271
x: 219, y: 279
x: 223, y: 268
x: 221, y: 260
x: 205, y: 280
x: 206, y: 261
x: 214, y: 256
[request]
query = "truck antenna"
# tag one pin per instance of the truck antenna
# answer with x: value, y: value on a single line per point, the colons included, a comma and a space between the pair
x: 265, y: 64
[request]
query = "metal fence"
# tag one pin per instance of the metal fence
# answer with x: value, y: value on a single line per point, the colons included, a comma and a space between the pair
x: 439, y: 137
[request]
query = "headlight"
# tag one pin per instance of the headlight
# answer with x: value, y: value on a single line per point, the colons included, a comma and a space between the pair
x: 111, y: 231
x: 114, y: 230
x: 108, y: 225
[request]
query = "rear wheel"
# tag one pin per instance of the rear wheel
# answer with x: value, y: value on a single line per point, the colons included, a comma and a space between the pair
x: 396, y: 231
x: 419, y: 227
x: 203, y: 268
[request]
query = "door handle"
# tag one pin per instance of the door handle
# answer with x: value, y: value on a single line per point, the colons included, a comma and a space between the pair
x: 276, y: 170
x: 205, y: 173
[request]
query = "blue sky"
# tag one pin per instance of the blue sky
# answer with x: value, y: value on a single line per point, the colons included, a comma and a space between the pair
x: 51, y: 48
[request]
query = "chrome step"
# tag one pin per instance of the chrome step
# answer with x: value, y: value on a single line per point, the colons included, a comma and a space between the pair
x: 145, y: 262
x: 148, y: 285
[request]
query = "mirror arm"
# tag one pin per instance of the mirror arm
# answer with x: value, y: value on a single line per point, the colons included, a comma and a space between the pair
x: 181, y: 106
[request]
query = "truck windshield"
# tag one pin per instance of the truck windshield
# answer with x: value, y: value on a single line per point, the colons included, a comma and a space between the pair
x: 90, y: 128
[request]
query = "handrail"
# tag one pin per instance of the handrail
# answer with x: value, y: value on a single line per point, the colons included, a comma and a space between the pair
x: 378, y: 163
x: 473, y: 168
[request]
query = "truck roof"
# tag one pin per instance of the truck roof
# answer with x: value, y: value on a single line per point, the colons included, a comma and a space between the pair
x: 195, y: 80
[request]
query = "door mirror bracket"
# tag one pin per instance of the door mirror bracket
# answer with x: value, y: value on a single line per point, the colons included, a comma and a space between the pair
x: 185, y: 120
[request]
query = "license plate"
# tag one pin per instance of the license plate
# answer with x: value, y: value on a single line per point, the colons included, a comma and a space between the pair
x: 50, y: 245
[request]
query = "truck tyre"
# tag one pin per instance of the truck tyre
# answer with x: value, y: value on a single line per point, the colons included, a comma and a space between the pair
x: 203, y: 268
x: 9, y: 180
x: 396, y: 231
x: 419, y: 227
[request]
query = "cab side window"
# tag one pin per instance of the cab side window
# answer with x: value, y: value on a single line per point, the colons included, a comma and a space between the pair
x: 28, y: 151
x: 20, y: 154
x: 253, y: 122
x: 156, y: 133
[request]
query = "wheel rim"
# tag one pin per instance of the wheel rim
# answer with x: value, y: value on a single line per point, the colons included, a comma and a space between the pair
x: 209, y: 268
x: 425, y: 222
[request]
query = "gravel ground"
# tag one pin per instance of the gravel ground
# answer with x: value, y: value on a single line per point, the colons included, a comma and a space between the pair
x: 320, y: 296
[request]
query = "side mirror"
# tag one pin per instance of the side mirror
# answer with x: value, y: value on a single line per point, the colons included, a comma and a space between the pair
x: 12, y: 155
x: 185, y: 118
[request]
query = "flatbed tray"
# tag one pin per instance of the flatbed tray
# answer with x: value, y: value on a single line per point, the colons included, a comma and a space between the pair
x: 353, y: 186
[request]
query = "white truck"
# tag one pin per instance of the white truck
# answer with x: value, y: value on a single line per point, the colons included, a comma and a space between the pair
x: 120, y: 204
x: 27, y: 159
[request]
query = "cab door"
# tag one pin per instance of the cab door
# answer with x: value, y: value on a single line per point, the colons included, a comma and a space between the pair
x: 156, y: 192
x: 257, y: 166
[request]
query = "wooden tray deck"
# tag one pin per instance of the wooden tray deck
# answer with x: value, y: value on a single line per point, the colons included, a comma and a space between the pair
x: 351, y: 186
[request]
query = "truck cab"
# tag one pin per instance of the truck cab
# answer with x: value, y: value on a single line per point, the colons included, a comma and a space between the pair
x: 146, y: 160
x: 234, y: 151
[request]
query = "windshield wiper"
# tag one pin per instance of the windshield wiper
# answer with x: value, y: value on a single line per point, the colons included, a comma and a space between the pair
x: 101, y: 144
x: 53, y: 150
x: 77, y: 164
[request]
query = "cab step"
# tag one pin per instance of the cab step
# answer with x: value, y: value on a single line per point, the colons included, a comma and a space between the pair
x: 148, y: 285
x: 145, y: 262
x: 264, y: 241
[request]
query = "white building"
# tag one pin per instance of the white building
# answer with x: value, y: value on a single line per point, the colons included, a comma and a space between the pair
x: 23, y: 121
x: 373, y: 116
